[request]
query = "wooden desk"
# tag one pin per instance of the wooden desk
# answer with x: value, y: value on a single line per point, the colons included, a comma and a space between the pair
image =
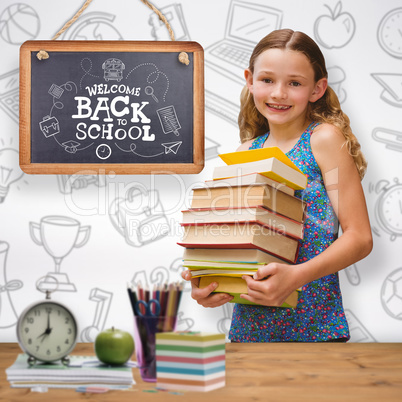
x: 262, y: 372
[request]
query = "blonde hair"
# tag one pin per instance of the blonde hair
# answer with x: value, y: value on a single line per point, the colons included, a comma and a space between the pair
x: 325, y: 110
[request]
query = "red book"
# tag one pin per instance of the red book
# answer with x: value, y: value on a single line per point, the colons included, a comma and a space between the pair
x: 257, y: 214
x: 241, y: 235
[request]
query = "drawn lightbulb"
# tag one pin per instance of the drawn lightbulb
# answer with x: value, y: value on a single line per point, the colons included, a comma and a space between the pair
x: 10, y: 171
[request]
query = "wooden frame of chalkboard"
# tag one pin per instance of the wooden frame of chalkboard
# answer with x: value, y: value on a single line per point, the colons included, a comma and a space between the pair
x: 100, y: 107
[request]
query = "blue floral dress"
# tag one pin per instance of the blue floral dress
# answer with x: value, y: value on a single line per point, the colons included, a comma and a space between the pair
x: 319, y: 315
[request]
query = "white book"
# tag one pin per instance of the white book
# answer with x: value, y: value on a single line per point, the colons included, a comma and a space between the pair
x: 249, y: 180
x: 81, y: 369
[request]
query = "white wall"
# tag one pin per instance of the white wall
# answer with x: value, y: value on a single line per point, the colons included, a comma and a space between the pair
x: 100, y: 269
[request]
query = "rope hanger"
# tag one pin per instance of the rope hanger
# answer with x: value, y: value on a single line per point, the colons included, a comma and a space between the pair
x: 183, y: 56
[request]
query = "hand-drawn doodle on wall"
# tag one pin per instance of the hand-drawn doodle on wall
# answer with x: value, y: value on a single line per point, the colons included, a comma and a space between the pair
x: 18, y: 23
x: 8, y: 316
x: 391, y: 294
x: 177, y: 267
x: 58, y: 235
x: 10, y: 171
x: 68, y: 183
x: 392, y: 87
x: 174, y: 14
x: 139, y: 217
x: 9, y: 93
x: 392, y: 138
x: 245, y: 26
x: 389, y: 33
x: 224, y: 323
x: 158, y: 276
x: 335, y: 30
x: 353, y: 275
x: 336, y: 76
x: 358, y: 332
x: 388, y: 207
x: 93, y: 26
x: 103, y: 300
x: 183, y: 323
x: 211, y: 149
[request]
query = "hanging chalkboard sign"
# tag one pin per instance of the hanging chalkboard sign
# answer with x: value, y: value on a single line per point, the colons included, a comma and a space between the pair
x: 111, y: 106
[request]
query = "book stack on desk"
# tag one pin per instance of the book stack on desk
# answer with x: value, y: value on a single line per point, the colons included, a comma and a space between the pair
x: 245, y: 217
x: 192, y: 361
x: 82, y: 371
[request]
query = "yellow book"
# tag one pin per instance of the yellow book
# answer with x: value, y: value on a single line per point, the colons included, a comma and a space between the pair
x: 271, y: 167
x: 199, y: 273
x: 237, y: 286
x: 251, y: 155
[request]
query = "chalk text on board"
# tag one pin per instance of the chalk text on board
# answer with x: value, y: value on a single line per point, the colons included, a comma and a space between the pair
x: 85, y: 111
x: 103, y: 89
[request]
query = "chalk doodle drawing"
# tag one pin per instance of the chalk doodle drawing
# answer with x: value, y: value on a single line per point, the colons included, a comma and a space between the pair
x: 388, y: 207
x: 139, y: 216
x: 10, y: 171
x: 8, y: 316
x: 58, y: 235
x: 103, y: 300
x: 391, y: 294
x: 336, y: 29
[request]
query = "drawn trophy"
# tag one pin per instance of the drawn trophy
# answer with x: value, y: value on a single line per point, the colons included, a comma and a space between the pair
x: 8, y: 316
x: 58, y: 235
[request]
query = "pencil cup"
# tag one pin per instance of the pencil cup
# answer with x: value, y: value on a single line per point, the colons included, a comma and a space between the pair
x: 145, y: 328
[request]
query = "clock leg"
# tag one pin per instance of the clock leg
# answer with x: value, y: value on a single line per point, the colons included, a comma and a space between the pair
x: 65, y: 360
x: 31, y: 361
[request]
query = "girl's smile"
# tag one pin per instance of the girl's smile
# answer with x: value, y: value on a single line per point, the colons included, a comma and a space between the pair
x: 278, y: 107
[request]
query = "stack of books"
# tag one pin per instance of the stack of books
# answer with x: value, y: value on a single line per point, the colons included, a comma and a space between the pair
x: 245, y: 217
x: 192, y: 361
x: 82, y: 371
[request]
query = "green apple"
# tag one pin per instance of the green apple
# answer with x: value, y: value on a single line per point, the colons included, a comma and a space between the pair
x: 114, y: 346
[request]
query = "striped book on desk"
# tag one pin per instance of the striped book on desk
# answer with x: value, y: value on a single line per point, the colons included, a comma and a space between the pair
x: 193, y: 361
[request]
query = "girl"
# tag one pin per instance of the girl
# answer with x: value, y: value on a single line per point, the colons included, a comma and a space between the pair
x: 287, y: 103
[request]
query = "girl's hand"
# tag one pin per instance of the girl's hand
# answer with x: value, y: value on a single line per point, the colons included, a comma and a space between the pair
x: 204, y: 296
x: 271, y: 284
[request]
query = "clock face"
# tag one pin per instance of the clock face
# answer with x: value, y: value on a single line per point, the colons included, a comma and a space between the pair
x: 390, y: 33
x: 390, y: 209
x: 103, y: 151
x: 47, y: 331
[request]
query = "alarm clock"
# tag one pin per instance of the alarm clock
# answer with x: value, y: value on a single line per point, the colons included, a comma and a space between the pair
x: 47, y: 331
x: 389, y: 33
x: 389, y: 209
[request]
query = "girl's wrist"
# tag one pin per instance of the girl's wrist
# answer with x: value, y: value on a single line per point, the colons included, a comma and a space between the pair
x: 302, y: 276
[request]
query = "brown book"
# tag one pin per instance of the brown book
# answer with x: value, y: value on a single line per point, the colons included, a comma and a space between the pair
x: 249, y: 196
x: 236, y: 286
x: 258, y: 214
x: 231, y: 255
x: 241, y: 235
